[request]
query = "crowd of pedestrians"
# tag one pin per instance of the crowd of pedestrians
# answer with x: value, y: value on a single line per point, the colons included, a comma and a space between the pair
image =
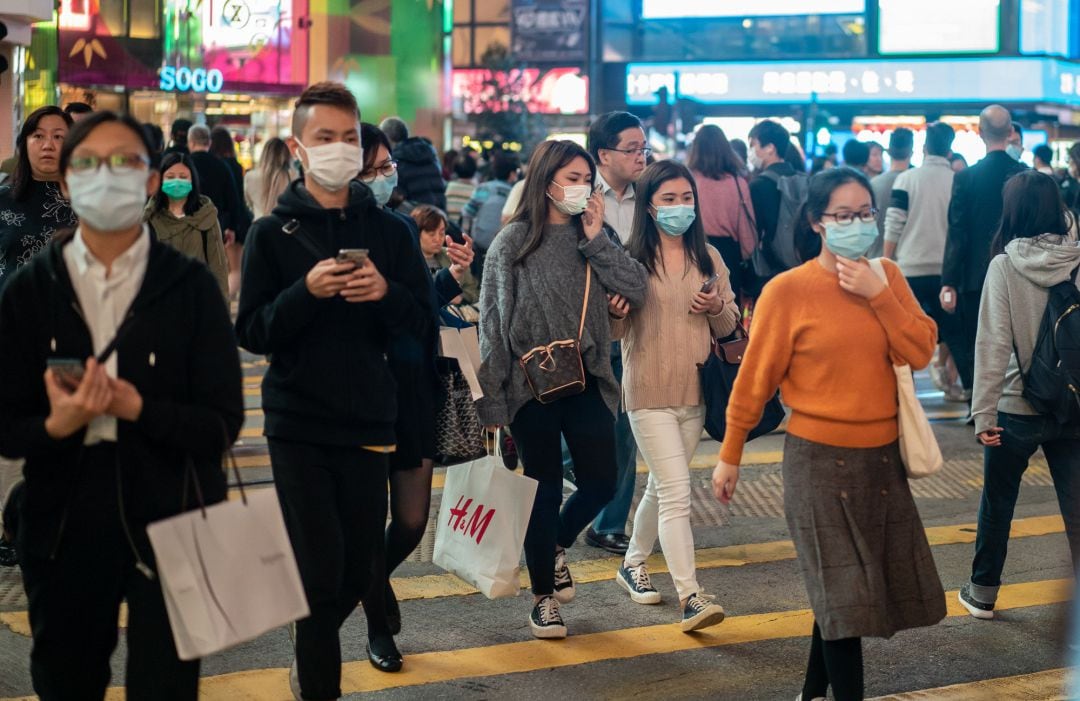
x: 349, y: 245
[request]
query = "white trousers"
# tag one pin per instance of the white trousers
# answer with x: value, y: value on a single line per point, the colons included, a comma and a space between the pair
x: 667, y: 438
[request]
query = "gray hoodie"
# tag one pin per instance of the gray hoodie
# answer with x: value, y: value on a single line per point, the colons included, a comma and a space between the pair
x: 1013, y: 302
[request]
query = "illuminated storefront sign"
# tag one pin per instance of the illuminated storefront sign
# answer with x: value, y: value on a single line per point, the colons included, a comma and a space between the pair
x: 184, y: 79
x: 960, y: 80
x: 547, y: 91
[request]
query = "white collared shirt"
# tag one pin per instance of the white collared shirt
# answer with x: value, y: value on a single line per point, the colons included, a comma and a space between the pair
x: 105, y: 300
x: 618, y: 214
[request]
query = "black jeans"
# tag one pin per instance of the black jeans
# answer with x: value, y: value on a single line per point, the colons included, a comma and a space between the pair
x: 334, y: 502
x: 927, y: 291
x: 74, y: 600
x: 588, y: 426
x: 1004, y: 467
x: 963, y: 351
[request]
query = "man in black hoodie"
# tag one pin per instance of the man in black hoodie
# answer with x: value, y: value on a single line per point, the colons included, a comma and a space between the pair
x: 420, y: 177
x: 329, y: 396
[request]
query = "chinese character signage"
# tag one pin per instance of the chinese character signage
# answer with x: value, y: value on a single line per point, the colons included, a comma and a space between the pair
x: 550, y: 31
x: 550, y: 91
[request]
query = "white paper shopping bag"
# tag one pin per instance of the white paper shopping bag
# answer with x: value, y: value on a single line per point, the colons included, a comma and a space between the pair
x: 482, y: 521
x: 228, y: 573
x: 464, y: 346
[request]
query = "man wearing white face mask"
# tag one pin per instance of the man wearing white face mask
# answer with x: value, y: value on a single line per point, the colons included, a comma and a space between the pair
x: 326, y: 319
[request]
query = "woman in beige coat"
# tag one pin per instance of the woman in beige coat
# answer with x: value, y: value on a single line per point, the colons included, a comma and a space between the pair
x: 186, y: 220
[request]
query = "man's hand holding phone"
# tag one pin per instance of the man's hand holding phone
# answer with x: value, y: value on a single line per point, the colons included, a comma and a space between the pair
x: 328, y: 277
x: 948, y: 299
x: 365, y: 284
x: 72, y: 408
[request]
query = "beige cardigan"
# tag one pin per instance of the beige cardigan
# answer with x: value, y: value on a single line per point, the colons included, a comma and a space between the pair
x: 662, y: 343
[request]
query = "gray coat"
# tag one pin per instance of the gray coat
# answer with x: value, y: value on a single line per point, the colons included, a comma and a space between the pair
x: 538, y: 301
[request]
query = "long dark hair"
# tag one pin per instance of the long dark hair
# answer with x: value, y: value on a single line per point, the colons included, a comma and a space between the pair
x: 1031, y: 208
x: 221, y: 143
x: 24, y: 174
x: 818, y: 194
x: 193, y: 202
x: 548, y: 158
x: 645, y: 236
x: 711, y: 154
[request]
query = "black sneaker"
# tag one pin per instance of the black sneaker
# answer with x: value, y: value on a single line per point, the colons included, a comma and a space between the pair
x: 564, y: 581
x: 8, y: 556
x: 701, y: 612
x: 635, y: 580
x: 975, y: 607
x: 509, y: 449
x: 546, y: 620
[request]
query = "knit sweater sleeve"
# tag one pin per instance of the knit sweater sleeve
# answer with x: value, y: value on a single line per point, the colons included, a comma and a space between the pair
x: 615, y: 269
x: 912, y: 334
x: 497, y: 302
x: 993, y: 348
x: 763, y: 367
x: 724, y: 323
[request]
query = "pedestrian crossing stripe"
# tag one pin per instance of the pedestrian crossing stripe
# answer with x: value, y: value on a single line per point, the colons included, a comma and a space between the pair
x: 1046, y: 686
x: 437, y: 586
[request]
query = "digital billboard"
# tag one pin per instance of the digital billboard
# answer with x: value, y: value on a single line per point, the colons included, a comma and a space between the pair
x: 936, y: 27
x: 547, y: 91
x: 677, y: 9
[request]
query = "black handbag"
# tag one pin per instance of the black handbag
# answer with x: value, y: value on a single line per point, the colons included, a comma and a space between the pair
x: 718, y: 374
x: 555, y: 371
x: 459, y: 437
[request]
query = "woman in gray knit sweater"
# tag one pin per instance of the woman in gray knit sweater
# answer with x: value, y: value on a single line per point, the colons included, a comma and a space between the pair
x: 1035, y: 251
x: 532, y: 294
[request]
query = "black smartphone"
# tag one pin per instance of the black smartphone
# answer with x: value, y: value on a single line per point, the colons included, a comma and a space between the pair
x: 68, y: 370
x: 710, y: 283
x: 358, y: 256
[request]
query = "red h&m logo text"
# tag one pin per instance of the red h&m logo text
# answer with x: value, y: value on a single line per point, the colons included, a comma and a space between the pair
x: 476, y: 525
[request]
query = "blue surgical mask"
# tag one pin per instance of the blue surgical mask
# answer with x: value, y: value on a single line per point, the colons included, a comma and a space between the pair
x: 382, y: 187
x: 1014, y: 151
x: 674, y: 220
x: 851, y: 240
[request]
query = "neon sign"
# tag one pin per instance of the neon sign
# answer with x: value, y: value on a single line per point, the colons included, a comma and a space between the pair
x: 186, y: 79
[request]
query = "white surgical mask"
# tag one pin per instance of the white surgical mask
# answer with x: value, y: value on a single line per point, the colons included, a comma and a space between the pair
x: 106, y: 200
x: 754, y: 160
x: 333, y: 165
x: 575, y: 198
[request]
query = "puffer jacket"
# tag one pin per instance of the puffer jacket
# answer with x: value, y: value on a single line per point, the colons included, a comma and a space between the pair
x: 419, y: 174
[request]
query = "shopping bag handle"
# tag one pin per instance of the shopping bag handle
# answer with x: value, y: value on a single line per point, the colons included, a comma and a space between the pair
x: 189, y: 473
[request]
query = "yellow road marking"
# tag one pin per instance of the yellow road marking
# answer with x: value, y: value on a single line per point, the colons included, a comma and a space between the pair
x: 535, y: 655
x: 253, y: 412
x: 252, y: 432
x: 252, y: 391
x: 1047, y: 686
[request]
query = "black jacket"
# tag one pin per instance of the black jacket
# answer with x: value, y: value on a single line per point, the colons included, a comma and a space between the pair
x: 419, y: 174
x: 179, y: 351
x: 216, y: 182
x: 328, y: 381
x: 974, y: 217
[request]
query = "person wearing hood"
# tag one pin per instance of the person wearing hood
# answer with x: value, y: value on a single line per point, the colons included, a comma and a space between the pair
x: 420, y: 177
x: 1035, y: 250
x: 329, y: 282
x: 187, y: 220
x: 121, y: 381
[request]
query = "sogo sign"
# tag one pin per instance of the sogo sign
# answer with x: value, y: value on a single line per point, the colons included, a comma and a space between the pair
x: 186, y: 79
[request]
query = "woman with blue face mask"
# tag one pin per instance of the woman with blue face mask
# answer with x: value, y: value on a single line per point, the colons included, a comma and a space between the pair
x: 827, y: 333
x: 688, y: 303
x: 182, y: 217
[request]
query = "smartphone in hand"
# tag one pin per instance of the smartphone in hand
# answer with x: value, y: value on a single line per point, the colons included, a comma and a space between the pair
x: 710, y: 283
x: 68, y: 370
x: 357, y: 256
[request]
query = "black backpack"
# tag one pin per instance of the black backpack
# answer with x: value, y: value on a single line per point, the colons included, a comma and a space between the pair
x: 1052, y: 382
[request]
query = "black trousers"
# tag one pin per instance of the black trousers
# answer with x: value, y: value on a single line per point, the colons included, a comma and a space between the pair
x: 731, y: 253
x: 74, y: 602
x: 334, y: 503
x: 964, y: 350
x: 589, y: 429
x: 927, y: 291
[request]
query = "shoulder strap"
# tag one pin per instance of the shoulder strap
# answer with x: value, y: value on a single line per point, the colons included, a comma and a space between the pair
x: 585, y: 304
x: 742, y: 203
x: 293, y: 228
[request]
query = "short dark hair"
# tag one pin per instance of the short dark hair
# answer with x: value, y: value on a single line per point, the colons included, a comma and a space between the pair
x: 856, y: 153
x: 1031, y: 207
x: 179, y: 130
x: 83, y: 127
x: 24, y: 174
x: 428, y: 217
x: 1019, y: 129
x: 1044, y: 153
x: 464, y: 166
x: 78, y: 108
x: 901, y: 144
x: 819, y: 192
x: 503, y: 165
x: 155, y: 135
x: 939, y: 139
x: 324, y: 93
x: 711, y: 154
x: 605, y: 129
x: 770, y: 133
x: 193, y: 201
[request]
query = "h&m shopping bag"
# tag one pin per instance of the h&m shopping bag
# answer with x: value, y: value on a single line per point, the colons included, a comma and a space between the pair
x: 227, y: 571
x: 482, y: 521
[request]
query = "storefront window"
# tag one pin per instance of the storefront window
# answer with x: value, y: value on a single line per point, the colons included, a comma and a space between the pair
x: 488, y: 36
x: 110, y: 18
x: 462, y: 11
x: 145, y: 18
x: 492, y: 10
x: 462, y: 46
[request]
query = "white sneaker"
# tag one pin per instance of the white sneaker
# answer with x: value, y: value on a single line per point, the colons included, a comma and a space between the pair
x: 564, y: 581
x: 816, y: 698
x: 546, y: 620
x: 635, y: 580
x: 939, y: 375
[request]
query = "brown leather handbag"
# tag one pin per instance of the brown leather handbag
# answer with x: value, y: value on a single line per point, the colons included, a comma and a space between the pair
x: 555, y: 371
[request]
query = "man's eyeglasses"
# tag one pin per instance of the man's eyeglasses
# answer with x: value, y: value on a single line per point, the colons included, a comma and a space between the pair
x: 643, y: 152
x: 845, y: 218
x: 386, y: 170
x: 116, y: 163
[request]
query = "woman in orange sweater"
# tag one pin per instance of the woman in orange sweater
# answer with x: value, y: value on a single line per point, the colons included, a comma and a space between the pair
x: 827, y: 333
